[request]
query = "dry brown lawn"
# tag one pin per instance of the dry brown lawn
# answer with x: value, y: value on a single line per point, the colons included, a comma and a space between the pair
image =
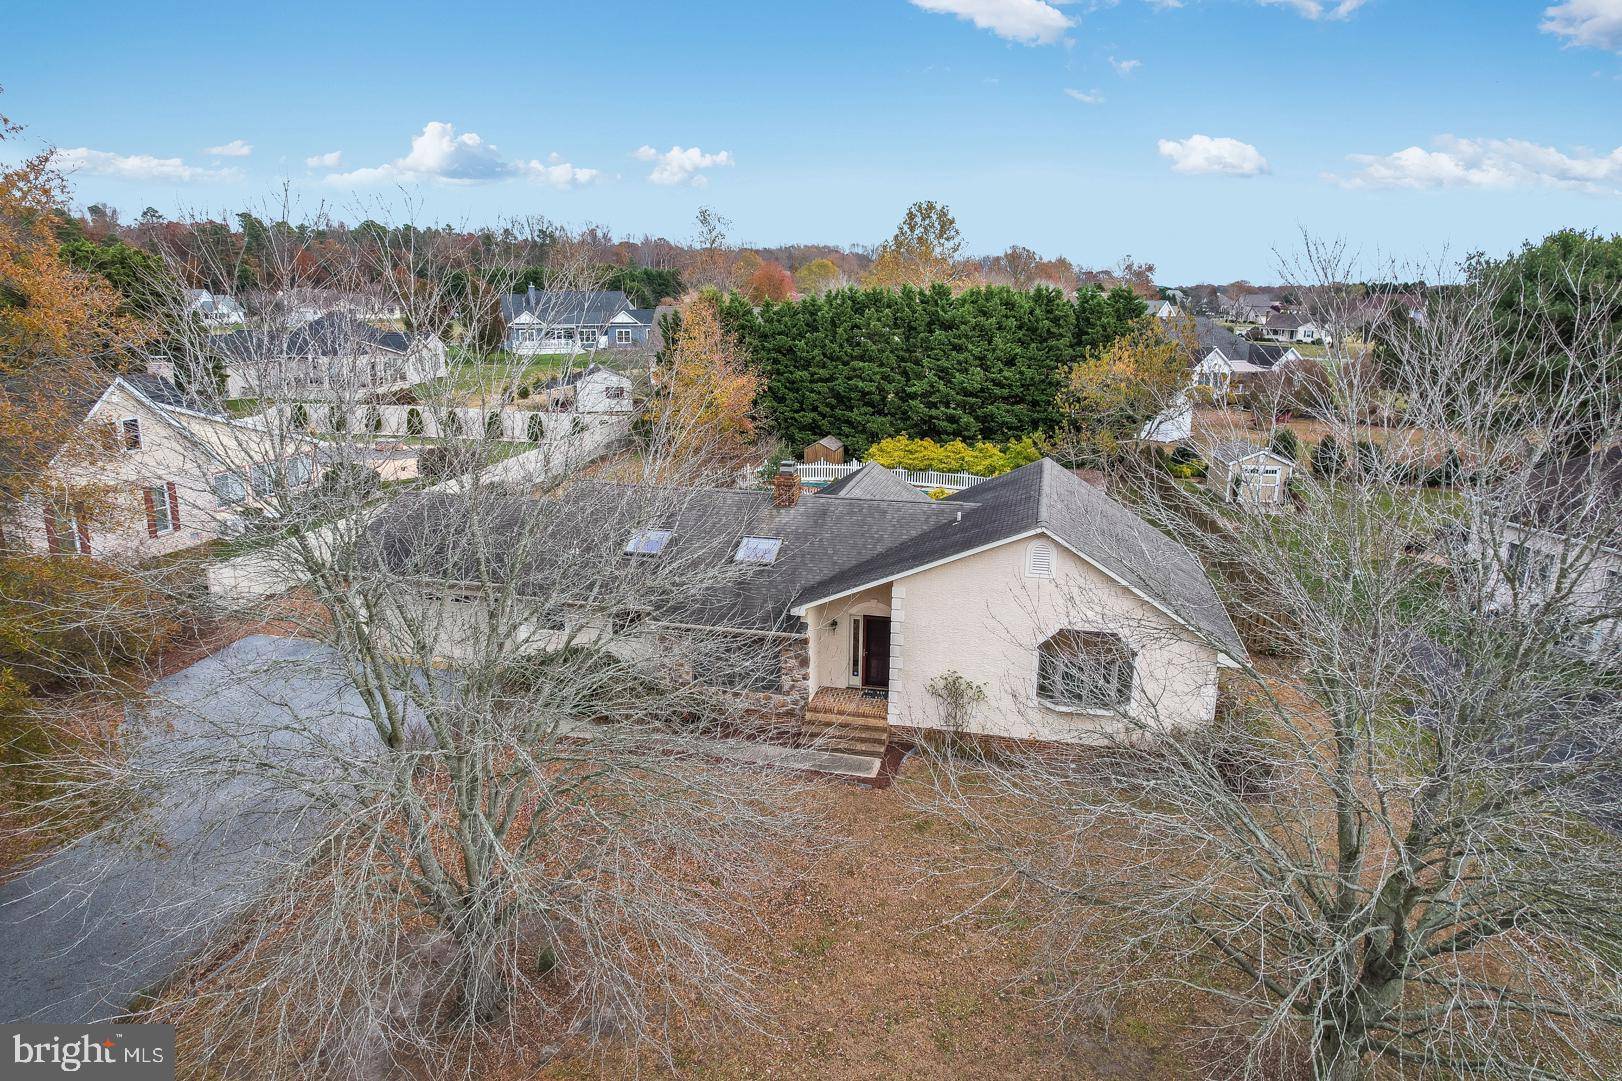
x: 866, y: 973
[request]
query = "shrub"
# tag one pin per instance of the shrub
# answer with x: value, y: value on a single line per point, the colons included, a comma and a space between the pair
x: 337, y: 418
x: 523, y: 390
x: 348, y: 482
x: 374, y: 419
x: 956, y: 456
x: 300, y: 417
x: 1285, y: 442
x: 413, y: 421
x: 451, y: 423
x: 447, y: 460
x: 1327, y: 459
x: 537, y: 428
x: 1368, y: 456
x: 492, y: 424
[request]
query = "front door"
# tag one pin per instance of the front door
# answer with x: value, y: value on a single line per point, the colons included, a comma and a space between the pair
x: 875, y: 651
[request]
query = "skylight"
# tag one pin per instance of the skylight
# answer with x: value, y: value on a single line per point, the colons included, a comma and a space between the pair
x: 647, y: 542
x: 758, y: 550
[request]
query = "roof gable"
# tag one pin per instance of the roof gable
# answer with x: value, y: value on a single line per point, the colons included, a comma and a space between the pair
x: 873, y: 481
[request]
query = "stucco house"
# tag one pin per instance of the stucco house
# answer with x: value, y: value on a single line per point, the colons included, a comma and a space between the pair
x: 1562, y: 501
x: 176, y: 475
x: 333, y: 356
x: 1291, y: 327
x: 1224, y: 362
x: 1249, y: 307
x: 1069, y: 611
x: 1243, y: 473
x: 573, y: 321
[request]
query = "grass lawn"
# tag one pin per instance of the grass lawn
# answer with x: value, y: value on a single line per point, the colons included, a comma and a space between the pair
x: 470, y: 379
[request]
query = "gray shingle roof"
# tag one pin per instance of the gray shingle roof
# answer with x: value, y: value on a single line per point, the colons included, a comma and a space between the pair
x: 567, y: 307
x: 1286, y: 321
x: 832, y: 544
x: 1044, y: 495
x: 873, y: 481
x: 333, y: 335
x: 1232, y: 450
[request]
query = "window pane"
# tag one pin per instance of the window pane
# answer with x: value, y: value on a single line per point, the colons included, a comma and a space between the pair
x: 1086, y: 669
x: 647, y: 542
x: 758, y: 550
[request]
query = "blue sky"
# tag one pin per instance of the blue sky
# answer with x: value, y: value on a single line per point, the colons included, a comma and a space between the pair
x: 1200, y: 136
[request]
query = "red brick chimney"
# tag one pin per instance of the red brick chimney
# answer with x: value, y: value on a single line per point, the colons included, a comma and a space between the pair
x: 786, y: 486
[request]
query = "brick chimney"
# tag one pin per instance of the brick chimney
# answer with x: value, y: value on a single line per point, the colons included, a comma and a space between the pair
x: 786, y: 486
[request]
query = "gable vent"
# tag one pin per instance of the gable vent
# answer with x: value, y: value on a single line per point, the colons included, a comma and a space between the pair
x: 1039, y: 560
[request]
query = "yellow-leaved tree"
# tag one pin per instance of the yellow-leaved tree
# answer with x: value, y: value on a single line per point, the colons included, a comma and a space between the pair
x: 1114, y: 391
x: 705, y: 410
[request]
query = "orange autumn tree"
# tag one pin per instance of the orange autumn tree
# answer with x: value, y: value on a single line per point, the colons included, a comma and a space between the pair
x: 706, y: 408
x: 1114, y: 391
x: 59, y: 328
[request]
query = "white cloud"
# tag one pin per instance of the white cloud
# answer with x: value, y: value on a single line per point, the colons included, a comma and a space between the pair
x: 1199, y: 154
x: 439, y: 154
x: 1487, y: 163
x: 1595, y: 23
x: 1124, y: 68
x: 236, y: 148
x: 1318, y: 9
x: 1029, y: 22
x: 325, y: 161
x: 1086, y: 97
x: 682, y: 166
x: 81, y: 159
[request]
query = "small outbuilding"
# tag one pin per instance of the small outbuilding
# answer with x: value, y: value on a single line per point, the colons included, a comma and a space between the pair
x: 1242, y: 472
x: 827, y: 449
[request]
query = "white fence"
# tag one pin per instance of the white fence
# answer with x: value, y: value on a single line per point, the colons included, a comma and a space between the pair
x: 427, y: 421
x: 817, y: 474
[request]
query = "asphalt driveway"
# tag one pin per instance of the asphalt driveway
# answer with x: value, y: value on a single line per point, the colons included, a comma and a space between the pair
x: 111, y: 916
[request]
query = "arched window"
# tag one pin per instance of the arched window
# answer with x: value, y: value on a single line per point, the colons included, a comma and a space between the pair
x: 1084, y: 670
x: 1039, y: 560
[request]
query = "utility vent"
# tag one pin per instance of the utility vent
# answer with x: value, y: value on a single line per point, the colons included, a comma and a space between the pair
x: 1039, y: 560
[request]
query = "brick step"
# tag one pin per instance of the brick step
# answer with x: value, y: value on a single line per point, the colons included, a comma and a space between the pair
x: 838, y: 737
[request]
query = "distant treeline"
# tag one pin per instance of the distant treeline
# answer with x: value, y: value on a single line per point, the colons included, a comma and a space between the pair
x: 985, y: 364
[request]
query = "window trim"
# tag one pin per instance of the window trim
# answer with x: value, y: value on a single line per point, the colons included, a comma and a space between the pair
x: 163, y: 511
x: 622, y: 336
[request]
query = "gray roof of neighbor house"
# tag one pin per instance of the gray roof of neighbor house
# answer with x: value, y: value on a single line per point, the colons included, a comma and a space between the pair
x: 1567, y: 493
x: 873, y: 481
x: 1255, y: 300
x: 1234, y: 450
x: 333, y: 335
x: 1286, y: 320
x: 831, y: 544
x: 1209, y: 335
x: 567, y: 307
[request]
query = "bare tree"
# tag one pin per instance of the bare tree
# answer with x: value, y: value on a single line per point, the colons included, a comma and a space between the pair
x: 492, y: 785
x: 1397, y: 844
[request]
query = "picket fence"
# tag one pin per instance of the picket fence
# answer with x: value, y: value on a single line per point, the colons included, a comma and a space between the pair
x: 818, y: 474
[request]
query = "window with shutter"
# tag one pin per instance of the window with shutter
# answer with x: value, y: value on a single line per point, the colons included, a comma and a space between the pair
x: 1039, y: 560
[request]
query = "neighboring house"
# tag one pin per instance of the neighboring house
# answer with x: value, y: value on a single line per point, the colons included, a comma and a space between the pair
x: 1173, y: 425
x: 1244, y: 473
x: 214, y: 310
x: 1291, y: 327
x: 1160, y: 309
x: 1250, y: 308
x: 1069, y: 611
x: 1224, y: 361
x: 593, y: 389
x: 572, y: 321
x: 177, y: 475
x: 334, y: 356
x: 1562, y: 500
